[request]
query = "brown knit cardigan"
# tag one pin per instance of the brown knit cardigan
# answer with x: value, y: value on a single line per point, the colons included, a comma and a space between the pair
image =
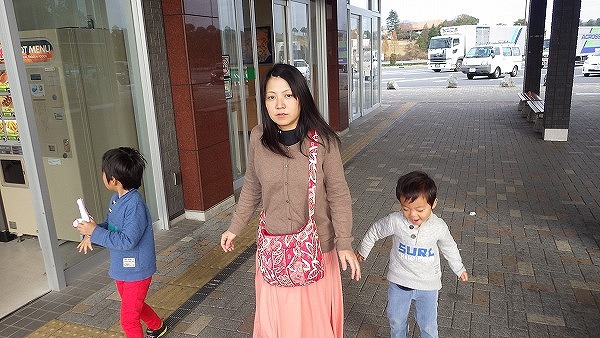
x: 281, y: 184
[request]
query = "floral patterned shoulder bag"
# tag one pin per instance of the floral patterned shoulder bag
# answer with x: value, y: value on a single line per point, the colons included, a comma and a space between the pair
x: 293, y: 259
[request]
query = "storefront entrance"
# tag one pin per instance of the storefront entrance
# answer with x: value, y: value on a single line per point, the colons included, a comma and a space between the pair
x: 83, y: 77
x: 256, y: 34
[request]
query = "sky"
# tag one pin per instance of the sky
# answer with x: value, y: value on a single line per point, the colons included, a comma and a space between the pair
x: 487, y: 11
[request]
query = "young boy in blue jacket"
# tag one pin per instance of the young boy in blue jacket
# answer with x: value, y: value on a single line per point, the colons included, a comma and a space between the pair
x: 127, y: 233
x: 419, y: 237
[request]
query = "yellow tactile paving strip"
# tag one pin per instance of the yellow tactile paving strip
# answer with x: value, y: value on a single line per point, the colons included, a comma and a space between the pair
x: 177, y: 290
x: 58, y: 328
x: 352, y: 149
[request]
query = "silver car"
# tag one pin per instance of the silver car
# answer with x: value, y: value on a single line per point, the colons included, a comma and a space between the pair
x: 592, y: 64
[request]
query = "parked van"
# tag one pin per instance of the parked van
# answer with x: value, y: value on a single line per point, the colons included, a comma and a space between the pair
x: 302, y: 67
x: 492, y: 60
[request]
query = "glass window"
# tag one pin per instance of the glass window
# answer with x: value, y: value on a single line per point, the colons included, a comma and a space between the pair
x: 376, y: 60
x: 300, y: 37
x: 235, y: 82
x: 280, y: 32
x: 375, y: 5
x: 367, y: 63
x: 356, y: 87
x: 82, y: 67
x: 516, y: 51
x: 506, y: 51
x: 360, y: 3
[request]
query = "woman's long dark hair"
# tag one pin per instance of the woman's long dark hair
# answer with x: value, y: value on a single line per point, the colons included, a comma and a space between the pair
x: 309, y: 119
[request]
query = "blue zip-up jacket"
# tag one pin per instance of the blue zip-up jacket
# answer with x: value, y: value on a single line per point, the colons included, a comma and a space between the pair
x: 127, y: 234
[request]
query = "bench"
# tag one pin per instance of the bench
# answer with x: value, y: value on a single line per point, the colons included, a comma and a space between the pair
x: 526, y: 97
x: 537, y: 114
x: 533, y: 110
x: 537, y: 107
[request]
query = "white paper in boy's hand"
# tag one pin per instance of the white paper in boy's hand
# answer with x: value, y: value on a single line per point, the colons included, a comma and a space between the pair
x: 85, y: 215
x: 76, y: 222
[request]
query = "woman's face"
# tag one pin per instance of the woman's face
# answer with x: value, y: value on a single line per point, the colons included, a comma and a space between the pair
x: 282, y: 106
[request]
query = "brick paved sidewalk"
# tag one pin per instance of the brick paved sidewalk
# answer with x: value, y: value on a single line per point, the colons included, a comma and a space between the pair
x: 532, y: 245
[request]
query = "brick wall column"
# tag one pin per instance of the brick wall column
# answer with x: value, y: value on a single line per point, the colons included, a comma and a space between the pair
x: 561, y: 68
x: 194, y: 55
x: 337, y: 67
x: 163, y: 99
x: 535, y: 45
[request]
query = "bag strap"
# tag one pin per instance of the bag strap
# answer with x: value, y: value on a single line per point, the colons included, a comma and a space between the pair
x: 312, y: 173
x: 312, y: 177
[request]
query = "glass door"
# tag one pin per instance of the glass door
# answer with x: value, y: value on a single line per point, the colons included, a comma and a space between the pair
x: 240, y: 76
x: 376, y: 61
x: 280, y: 32
x: 300, y: 37
x: 233, y: 79
x: 356, y: 81
x: 367, y: 63
x: 291, y: 25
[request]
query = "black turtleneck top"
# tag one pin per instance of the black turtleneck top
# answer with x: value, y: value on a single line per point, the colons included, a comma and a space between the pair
x: 288, y: 137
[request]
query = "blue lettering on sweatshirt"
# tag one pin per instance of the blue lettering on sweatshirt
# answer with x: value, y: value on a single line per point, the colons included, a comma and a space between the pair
x: 418, y: 252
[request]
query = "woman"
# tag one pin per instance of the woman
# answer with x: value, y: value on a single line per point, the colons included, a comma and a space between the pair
x: 277, y: 176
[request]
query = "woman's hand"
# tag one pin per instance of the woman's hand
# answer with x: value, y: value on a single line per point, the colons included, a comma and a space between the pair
x: 227, y: 241
x: 85, y: 244
x: 347, y: 257
x: 464, y: 277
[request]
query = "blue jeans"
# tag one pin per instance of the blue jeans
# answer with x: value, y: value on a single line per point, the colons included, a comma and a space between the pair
x: 399, y: 300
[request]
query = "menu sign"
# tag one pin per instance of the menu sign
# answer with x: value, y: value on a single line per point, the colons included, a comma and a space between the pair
x: 37, y: 51
x: 3, y: 137
x: 4, y: 87
x: 7, y: 106
x: 34, y: 51
x: 12, y: 130
x: 10, y: 141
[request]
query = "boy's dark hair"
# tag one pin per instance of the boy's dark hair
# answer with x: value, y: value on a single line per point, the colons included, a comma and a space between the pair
x: 310, y: 117
x: 416, y: 184
x: 124, y: 164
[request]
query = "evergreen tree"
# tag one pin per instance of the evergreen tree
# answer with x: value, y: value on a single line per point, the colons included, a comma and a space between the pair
x: 463, y: 19
x: 590, y: 22
x: 434, y: 31
x: 391, y: 22
x: 423, y: 39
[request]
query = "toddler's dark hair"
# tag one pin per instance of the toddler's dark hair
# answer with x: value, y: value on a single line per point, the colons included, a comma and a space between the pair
x: 416, y: 184
x: 126, y: 165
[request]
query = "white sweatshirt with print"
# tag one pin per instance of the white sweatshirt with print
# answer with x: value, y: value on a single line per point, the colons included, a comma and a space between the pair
x: 415, y: 254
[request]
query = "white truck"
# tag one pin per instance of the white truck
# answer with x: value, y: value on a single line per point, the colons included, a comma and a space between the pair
x: 588, y: 40
x: 447, y: 51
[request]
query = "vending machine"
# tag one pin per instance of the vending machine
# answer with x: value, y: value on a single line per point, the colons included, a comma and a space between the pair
x: 81, y: 110
x: 19, y: 216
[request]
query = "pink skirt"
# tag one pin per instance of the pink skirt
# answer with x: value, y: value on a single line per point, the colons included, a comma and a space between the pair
x: 311, y: 311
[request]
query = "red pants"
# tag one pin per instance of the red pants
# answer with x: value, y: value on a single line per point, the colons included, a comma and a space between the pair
x: 134, y: 308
